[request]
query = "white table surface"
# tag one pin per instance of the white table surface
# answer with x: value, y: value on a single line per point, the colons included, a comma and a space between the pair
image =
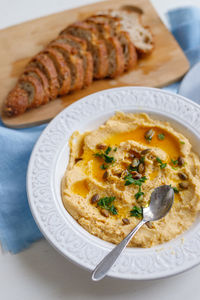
x: 40, y: 272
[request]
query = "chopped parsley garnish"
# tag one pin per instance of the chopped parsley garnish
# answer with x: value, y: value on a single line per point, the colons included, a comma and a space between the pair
x: 142, y: 158
x: 139, y: 193
x: 174, y: 168
x: 107, y: 151
x: 104, y: 166
x: 113, y: 210
x: 182, y: 142
x: 136, y: 212
x: 140, y: 181
x: 99, y: 155
x: 176, y: 191
x: 162, y: 165
x: 131, y: 169
x: 161, y: 136
x: 106, y: 203
x: 174, y: 162
x: 115, y: 149
x: 129, y: 180
x: 108, y: 159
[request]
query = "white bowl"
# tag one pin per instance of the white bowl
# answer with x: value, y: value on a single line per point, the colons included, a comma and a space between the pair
x: 48, y: 163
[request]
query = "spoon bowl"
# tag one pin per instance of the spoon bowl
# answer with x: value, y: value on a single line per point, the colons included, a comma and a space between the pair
x: 161, y: 201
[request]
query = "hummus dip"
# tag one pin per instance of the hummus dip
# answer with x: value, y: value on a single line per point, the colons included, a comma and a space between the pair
x: 113, y: 170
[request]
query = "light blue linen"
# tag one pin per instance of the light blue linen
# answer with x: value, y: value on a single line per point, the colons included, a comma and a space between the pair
x: 17, y: 227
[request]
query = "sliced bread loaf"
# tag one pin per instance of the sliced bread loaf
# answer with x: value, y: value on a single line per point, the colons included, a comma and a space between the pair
x: 63, y: 71
x: 35, y: 72
x: 97, y: 47
x: 131, y: 22
x: 114, y: 49
x: 81, y: 46
x: 74, y: 63
x: 128, y: 49
x: 116, y: 57
x: 45, y: 64
x: 102, y: 46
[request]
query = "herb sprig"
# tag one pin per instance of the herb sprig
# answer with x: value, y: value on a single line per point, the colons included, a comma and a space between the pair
x: 174, y: 162
x: 162, y: 165
x: 139, y: 193
x: 176, y: 191
x: 136, y: 212
x: 104, y: 166
x: 130, y: 180
x: 161, y: 136
x: 107, y: 203
x: 106, y: 157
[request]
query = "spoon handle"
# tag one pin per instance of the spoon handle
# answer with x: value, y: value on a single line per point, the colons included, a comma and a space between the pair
x: 104, y: 266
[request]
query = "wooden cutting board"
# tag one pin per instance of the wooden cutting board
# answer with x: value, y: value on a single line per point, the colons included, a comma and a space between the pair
x: 19, y: 43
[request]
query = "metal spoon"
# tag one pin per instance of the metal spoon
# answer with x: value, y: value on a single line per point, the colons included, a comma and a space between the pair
x: 160, y: 203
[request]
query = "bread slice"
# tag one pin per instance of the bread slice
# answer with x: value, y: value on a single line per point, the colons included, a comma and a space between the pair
x: 45, y: 64
x: 116, y: 57
x: 105, y: 18
x: 74, y: 63
x: 97, y: 47
x: 63, y: 71
x: 114, y: 49
x: 81, y: 46
x: 129, y: 50
x: 103, y: 28
x: 34, y: 89
x: 16, y: 102
x: 35, y: 72
x: 131, y: 22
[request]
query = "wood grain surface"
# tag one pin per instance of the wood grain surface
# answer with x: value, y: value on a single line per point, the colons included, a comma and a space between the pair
x: 19, y: 43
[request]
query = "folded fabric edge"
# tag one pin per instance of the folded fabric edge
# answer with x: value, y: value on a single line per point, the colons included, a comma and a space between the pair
x: 182, y: 15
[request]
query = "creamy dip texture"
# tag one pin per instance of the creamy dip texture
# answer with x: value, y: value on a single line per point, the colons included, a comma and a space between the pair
x: 113, y: 170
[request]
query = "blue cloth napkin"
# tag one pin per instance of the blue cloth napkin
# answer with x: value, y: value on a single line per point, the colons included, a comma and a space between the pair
x: 184, y: 24
x: 17, y: 227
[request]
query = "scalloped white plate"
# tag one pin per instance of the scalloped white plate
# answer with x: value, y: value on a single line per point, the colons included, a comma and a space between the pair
x: 48, y: 163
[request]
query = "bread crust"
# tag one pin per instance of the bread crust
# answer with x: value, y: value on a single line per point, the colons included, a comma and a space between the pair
x: 43, y: 80
x: 113, y: 44
x: 117, y: 19
x: 16, y: 102
x: 132, y: 58
x: 81, y: 47
x: 76, y: 62
x: 89, y: 70
x: 62, y: 69
x: 38, y: 90
x: 50, y: 71
x: 103, y: 45
x: 115, y: 29
x: 96, y: 46
x: 78, y: 40
x: 119, y: 57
